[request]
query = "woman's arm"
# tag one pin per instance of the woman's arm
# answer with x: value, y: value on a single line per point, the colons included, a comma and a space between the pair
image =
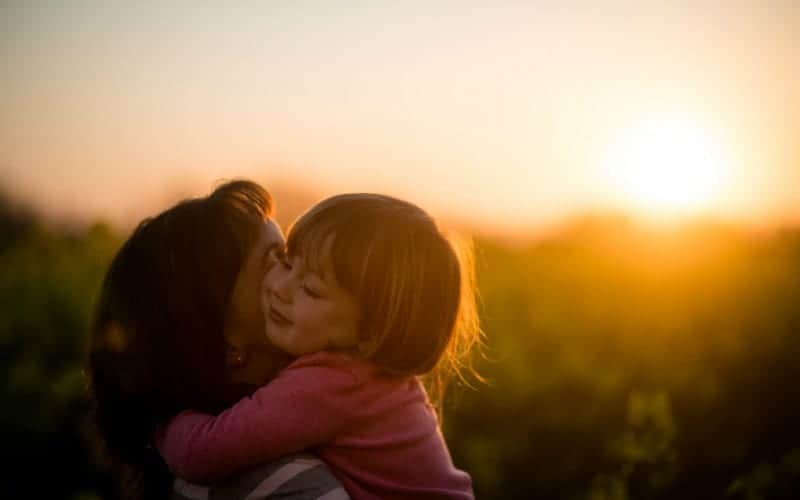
x: 306, y: 405
x: 296, y: 477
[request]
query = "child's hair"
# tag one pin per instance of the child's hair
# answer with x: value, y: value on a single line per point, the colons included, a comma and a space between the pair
x: 415, y: 289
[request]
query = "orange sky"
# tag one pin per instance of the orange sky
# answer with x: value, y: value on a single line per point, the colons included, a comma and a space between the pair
x: 506, y: 116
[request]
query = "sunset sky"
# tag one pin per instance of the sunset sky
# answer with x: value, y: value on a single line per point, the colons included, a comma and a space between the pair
x: 517, y: 115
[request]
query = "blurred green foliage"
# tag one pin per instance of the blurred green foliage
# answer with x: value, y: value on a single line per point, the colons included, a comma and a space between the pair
x: 628, y: 362
x: 48, y: 279
x: 621, y: 362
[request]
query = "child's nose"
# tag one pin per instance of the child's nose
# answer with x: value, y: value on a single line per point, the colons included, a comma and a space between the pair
x: 279, y: 283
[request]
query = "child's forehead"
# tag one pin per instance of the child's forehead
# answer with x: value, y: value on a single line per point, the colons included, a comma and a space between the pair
x: 308, y: 237
x: 315, y: 255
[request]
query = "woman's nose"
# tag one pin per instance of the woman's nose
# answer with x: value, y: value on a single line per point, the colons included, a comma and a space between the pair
x: 278, y: 282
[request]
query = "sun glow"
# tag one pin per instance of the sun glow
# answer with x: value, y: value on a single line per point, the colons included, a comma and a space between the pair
x: 668, y: 166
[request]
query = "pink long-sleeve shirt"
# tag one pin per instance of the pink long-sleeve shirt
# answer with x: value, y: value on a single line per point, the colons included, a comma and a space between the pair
x: 377, y: 433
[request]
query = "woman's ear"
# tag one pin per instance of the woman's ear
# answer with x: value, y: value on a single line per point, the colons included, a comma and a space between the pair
x: 235, y: 357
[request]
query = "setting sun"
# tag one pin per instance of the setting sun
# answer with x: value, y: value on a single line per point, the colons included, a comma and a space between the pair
x: 668, y: 165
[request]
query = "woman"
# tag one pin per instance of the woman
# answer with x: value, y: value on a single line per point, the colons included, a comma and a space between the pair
x: 178, y: 325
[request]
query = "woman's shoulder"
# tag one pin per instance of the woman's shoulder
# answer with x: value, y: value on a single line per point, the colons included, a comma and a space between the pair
x: 297, y: 477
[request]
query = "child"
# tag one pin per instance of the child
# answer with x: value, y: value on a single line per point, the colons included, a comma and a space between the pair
x: 369, y: 295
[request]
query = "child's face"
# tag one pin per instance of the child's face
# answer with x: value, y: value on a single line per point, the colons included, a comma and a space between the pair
x: 306, y: 311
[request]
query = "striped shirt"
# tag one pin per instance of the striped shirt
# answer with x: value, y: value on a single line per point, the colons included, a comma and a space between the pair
x: 296, y: 477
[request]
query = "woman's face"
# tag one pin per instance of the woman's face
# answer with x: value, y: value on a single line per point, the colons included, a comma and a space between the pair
x: 252, y: 360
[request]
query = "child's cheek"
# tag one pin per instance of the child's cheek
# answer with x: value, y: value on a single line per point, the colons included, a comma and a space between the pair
x: 307, y: 327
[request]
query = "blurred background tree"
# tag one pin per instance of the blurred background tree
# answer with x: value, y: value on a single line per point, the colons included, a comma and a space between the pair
x: 48, y: 278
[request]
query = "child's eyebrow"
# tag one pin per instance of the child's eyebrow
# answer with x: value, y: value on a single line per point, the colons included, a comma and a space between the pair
x: 315, y: 268
x: 325, y: 274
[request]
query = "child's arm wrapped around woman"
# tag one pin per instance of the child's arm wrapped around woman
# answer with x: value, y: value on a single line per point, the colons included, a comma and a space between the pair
x: 307, y: 404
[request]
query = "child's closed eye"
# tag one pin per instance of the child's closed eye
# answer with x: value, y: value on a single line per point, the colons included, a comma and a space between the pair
x: 310, y: 291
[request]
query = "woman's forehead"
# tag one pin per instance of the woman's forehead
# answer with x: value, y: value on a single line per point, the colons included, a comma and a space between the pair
x: 272, y: 234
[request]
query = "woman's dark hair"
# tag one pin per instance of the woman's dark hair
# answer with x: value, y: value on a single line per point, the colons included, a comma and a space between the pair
x: 157, y: 338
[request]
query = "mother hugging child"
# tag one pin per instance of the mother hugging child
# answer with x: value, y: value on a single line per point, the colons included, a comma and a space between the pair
x: 366, y: 297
